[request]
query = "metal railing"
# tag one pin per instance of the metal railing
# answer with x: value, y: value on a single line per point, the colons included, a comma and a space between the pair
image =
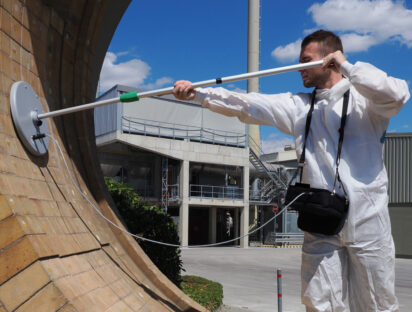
x: 220, y: 192
x: 277, y: 183
x: 272, y: 172
x: 173, y: 191
x: 288, y: 238
x: 177, y: 131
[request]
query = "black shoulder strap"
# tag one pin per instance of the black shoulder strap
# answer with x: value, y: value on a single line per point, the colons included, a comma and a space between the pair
x: 301, y: 163
x: 341, y: 135
x: 307, y: 128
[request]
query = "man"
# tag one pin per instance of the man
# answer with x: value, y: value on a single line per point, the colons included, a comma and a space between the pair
x: 356, y: 265
x: 229, y: 224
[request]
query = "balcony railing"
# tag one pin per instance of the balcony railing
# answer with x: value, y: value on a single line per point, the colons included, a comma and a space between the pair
x: 177, y: 131
x: 219, y: 192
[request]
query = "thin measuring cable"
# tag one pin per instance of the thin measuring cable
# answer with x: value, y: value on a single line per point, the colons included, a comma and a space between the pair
x: 151, y: 240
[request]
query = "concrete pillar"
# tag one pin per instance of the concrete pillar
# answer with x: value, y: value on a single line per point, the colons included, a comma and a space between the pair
x: 244, y: 214
x: 253, y: 64
x: 236, y: 223
x: 212, y: 224
x: 184, y: 205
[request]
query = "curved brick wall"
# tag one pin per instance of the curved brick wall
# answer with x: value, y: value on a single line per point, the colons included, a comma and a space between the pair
x: 56, y: 253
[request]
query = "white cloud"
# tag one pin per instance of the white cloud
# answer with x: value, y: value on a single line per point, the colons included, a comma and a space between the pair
x: 277, y: 145
x: 356, y: 43
x: 361, y: 24
x: 379, y: 19
x: 119, y: 54
x: 288, y: 52
x: 234, y: 88
x: 158, y: 83
x: 131, y: 73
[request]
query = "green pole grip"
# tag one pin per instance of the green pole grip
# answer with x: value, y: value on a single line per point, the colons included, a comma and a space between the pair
x: 129, y: 97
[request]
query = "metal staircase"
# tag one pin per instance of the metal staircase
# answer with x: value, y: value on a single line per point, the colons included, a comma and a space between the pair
x: 274, y: 181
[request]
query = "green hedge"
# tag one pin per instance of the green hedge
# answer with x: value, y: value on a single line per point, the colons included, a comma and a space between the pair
x: 150, y: 222
x: 205, y: 292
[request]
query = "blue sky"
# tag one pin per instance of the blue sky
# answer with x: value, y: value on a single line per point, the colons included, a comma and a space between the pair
x: 160, y: 41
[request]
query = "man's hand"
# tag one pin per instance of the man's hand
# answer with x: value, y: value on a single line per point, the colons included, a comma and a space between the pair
x: 183, y: 90
x: 334, y: 61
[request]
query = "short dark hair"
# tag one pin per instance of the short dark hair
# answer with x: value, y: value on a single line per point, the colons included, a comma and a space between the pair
x: 328, y: 41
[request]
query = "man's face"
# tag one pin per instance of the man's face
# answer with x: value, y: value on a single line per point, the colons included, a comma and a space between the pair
x: 313, y: 77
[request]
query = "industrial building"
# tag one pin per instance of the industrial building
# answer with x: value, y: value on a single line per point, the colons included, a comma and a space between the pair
x: 398, y: 162
x: 196, y: 164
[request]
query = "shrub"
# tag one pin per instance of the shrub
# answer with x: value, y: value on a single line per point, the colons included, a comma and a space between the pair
x: 205, y: 292
x: 150, y: 222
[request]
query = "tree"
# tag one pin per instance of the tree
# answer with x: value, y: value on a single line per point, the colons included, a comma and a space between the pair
x: 150, y: 222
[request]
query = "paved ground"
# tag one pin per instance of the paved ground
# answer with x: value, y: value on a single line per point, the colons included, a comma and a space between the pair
x: 249, y: 279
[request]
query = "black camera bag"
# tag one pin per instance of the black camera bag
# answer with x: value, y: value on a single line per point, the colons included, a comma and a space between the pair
x: 320, y: 211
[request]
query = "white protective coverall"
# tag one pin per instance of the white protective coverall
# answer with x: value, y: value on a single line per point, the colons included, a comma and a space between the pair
x: 359, y: 260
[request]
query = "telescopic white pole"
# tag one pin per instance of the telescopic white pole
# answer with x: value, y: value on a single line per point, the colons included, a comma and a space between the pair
x: 28, y: 114
x: 134, y: 96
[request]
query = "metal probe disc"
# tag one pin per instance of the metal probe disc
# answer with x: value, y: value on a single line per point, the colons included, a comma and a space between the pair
x: 25, y: 106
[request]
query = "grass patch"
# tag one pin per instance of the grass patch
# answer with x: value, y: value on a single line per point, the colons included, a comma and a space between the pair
x: 205, y: 292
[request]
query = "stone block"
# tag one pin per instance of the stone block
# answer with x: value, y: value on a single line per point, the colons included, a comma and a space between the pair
x: 103, y: 297
x: 5, y: 21
x: 25, y: 74
x: 48, y: 299
x: 68, y: 308
x: 120, y: 306
x: 10, y: 231
x: 6, y: 84
x: 66, y: 209
x: 15, y: 204
x: 15, y: 68
x: 9, y: 145
x: 66, y: 245
x: 4, y: 185
x: 97, y: 258
x: 31, y: 224
x: 30, y: 188
x: 6, y: 125
x: 25, y: 18
x: 4, y: 101
x: 22, y: 286
x: 15, y: 28
x: 5, y: 44
x: 86, y: 241
x: 26, y: 41
x: 5, y: 65
x: 5, y: 210
x: 80, y: 284
x: 109, y: 273
x: 56, y: 192
x: 120, y: 288
x: 59, y: 175
x: 15, y: 258
x: 75, y: 225
x: 7, y: 5
x: 17, y: 9
x: 43, y: 245
x: 134, y: 301
x: 76, y: 264
x: 44, y: 208
x: 25, y: 60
